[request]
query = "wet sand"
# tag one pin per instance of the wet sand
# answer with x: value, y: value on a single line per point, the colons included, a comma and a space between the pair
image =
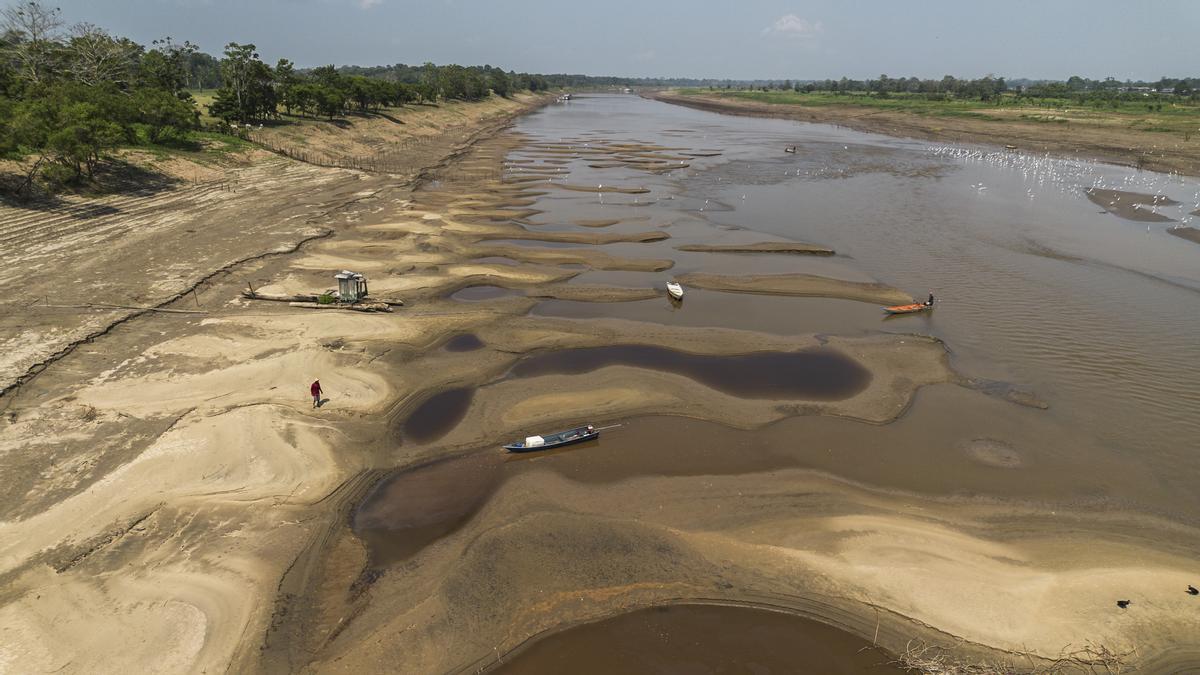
x: 760, y: 247
x: 1189, y: 233
x: 595, y: 239
x: 799, y: 285
x: 1131, y: 205
x: 480, y: 293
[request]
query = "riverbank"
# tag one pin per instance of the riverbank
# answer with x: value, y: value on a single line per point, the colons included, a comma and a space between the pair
x: 124, y: 254
x: 176, y: 502
x: 164, y: 465
x: 1107, y: 141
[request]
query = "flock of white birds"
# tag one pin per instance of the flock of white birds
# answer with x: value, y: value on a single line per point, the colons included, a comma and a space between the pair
x: 1074, y: 176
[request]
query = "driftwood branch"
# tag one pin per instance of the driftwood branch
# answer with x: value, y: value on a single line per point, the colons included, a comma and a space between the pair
x: 356, y: 307
x: 303, y: 298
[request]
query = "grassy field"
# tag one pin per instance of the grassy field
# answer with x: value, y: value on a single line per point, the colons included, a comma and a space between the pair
x: 203, y: 98
x: 1177, y: 117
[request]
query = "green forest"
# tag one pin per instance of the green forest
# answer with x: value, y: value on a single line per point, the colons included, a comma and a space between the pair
x: 70, y: 95
x: 985, y: 88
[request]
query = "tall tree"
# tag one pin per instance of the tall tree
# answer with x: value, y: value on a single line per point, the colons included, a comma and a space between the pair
x: 431, y: 80
x: 165, y: 115
x: 236, y: 71
x: 204, y: 71
x: 500, y: 83
x: 93, y: 57
x: 247, y: 91
x: 285, y: 83
x: 166, y: 66
x: 34, y: 29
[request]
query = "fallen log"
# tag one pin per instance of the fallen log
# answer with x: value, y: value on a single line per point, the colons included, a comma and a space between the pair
x: 255, y: 295
x: 356, y: 307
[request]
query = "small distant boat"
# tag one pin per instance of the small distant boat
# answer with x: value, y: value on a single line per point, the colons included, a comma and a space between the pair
x: 908, y: 309
x: 790, y: 148
x: 675, y: 290
x: 556, y: 440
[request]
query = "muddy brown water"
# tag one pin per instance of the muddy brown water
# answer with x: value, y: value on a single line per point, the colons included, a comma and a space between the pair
x: 466, y: 342
x: 769, y: 314
x: 953, y: 444
x: 699, y: 640
x: 1095, y: 313
x: 412, y: 509
x: 437, y: 415
x: 812, y: 374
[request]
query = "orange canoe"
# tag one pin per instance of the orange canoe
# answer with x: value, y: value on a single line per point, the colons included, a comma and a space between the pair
x: 907, y: 309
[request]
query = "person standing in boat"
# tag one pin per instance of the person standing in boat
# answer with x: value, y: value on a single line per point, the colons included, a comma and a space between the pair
x: 929, y: 302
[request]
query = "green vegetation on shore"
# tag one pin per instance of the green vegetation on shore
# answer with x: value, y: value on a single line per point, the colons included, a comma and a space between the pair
x: 1175, y: 115
x: 72, y: 97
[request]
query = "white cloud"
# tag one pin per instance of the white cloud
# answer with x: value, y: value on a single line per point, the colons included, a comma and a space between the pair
x: 368, y: 4
x: 792, y: 26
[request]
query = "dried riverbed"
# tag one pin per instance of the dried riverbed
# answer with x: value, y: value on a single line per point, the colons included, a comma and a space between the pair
x: 987, y: 478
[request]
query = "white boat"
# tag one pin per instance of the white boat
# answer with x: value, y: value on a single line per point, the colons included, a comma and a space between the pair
x: 675, y: 290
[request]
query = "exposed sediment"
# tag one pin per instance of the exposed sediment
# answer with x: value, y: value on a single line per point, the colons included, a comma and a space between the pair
x: 799, y: 285
x: 759, y: 247
x: 590, y: 238
x: 173, y: 499
x: 1190, y: 233
x: 1131, y: 205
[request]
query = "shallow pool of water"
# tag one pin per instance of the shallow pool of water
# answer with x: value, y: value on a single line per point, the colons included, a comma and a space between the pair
x: 699, y: 640
x: 466, y: 342
x: 812, y: 374
x: 437, y: 415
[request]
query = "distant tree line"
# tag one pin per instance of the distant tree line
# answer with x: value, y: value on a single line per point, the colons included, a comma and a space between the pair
x: 988, y: 88
x: 69, y: 94
x: 252, y: 91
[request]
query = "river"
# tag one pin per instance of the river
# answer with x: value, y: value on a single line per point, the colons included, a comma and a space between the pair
x: 1072, y: 318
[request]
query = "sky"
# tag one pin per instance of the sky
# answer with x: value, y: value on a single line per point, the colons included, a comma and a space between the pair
x: 736, y: 39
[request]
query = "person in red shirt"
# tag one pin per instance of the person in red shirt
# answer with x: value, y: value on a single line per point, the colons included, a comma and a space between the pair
x: 315, y: 390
